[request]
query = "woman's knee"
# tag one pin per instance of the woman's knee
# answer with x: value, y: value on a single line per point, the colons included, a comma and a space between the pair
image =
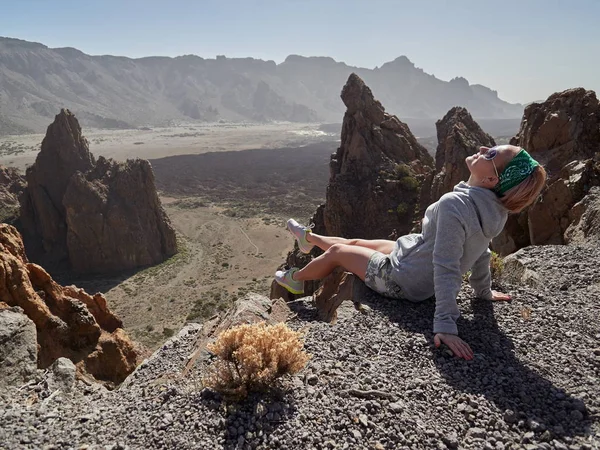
x: 337, y: 249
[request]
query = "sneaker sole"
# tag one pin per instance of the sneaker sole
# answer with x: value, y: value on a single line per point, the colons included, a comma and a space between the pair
x: 289, y: 288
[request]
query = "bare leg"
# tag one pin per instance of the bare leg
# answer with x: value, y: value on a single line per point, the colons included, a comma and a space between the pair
x: 324, y: 242
x: 352, y: 258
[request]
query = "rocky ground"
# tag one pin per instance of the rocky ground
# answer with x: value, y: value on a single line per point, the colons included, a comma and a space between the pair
x: 374, y: 381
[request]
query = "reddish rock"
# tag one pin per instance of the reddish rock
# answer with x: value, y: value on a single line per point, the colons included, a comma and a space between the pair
x: 70, y: 323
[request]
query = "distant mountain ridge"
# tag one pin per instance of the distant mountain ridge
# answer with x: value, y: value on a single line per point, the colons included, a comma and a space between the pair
x: 118, y: 92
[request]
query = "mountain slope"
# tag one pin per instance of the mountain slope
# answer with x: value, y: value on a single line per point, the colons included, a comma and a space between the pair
x: 116, y: 92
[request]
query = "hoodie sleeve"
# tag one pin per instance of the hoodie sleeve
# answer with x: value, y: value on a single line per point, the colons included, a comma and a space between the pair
x: 447, y: 251
x: 481, y: 277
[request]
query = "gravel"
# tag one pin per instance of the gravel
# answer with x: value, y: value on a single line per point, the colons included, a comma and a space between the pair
x: 374, y: 381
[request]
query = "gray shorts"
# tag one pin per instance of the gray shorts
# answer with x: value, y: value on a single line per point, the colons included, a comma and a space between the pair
x: 378, y: 276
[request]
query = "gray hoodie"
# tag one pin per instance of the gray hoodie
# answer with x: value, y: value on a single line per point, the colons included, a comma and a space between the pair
x: 456, y: 234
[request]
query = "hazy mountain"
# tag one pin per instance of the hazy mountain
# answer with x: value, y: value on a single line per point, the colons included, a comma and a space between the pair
x: 115, y: 92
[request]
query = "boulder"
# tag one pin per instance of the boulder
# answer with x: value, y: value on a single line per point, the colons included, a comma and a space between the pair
x: 549, y: 218
x: 92, y: 216
x: 338, y: 295
x: 69, y: 322
x: 18, y: 346
x: 62, y: 375
x: 458, y: 137
x: 520, y: 269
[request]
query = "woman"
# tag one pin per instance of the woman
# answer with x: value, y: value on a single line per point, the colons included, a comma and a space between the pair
x: 455, y: 238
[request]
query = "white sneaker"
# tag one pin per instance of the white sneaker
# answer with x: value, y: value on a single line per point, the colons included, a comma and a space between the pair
x: 299, y: 232
x: 284, y: 278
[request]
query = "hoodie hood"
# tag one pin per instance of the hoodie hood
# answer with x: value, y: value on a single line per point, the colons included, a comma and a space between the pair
x: 491, y: 213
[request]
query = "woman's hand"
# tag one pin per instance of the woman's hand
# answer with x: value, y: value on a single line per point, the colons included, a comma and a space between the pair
x: 500, y: 297
x: 458, y: 347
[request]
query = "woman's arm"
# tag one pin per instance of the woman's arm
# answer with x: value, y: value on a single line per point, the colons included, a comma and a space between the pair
x: 447, y: 277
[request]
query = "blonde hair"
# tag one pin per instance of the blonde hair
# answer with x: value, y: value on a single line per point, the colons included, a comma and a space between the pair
x: 526, y: 192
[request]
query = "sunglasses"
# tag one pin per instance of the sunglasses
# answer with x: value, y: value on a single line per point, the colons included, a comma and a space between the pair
x: 489, y: 156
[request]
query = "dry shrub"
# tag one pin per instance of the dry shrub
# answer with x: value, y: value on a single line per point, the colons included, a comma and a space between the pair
x: 252, y: 357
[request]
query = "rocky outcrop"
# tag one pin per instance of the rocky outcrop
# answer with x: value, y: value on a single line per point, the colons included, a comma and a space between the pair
x: 380, y: 179
x: 69, y: 322
x: 377, y: 173
x: 97, y: 216
x: 563, y: 133
x: 458, y: 137
x: 339, y: 296
x: 64, y: 151
x: 114, y: 218
x: 564, y: 128
x: 12, y: 185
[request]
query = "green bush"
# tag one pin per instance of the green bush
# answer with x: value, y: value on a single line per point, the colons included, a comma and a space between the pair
x: 402, y: 170
x: 409, y: 183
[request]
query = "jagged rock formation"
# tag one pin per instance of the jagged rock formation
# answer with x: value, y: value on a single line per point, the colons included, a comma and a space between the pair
x: 69, y: 322
x: 64, y: 151
x: 380, y: 178
x: 115, y: 208
x: 376, y: 173
x: 458, y: 137
x: 12, y: 185
x: 563, y: 133
x: 98, y: 215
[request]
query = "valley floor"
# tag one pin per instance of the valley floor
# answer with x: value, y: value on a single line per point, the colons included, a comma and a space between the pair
x: 228, y: 190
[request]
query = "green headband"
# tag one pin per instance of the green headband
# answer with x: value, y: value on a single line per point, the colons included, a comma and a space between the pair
x: 519, y: 168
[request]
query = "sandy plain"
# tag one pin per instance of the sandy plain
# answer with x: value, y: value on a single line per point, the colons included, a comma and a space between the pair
x: 228, y: 189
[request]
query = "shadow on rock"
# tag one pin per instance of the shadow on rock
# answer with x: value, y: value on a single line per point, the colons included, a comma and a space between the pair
x: 254, y: 419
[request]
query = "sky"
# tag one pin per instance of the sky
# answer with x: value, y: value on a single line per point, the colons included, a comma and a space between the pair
x: 524, y: 49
